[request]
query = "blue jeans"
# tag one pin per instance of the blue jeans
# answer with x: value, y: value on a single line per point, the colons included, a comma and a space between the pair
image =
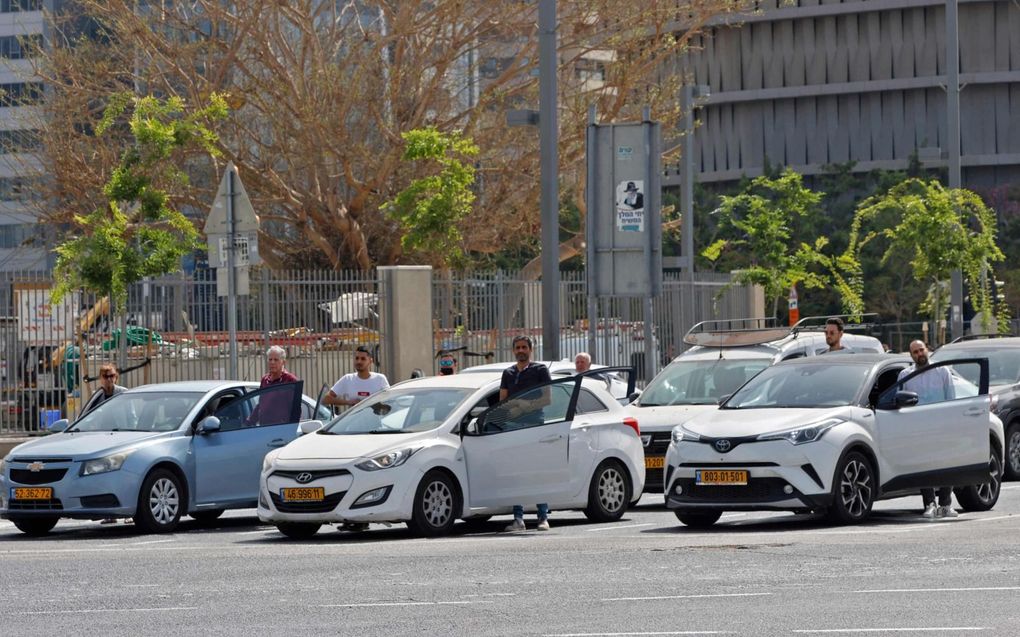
x: 543, y: 511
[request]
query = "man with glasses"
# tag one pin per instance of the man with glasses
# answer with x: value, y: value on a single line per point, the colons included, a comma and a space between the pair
x: 359, y: 385
x: 108, y: 388
x: 447, y: 363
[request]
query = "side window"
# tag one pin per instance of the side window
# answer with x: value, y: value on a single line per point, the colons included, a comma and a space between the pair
x: 794, y: 355
x: 588, y: 403
x: 943, y: 383
x: 531, y: 408
x: 273, y: 405
x: 886, y: 379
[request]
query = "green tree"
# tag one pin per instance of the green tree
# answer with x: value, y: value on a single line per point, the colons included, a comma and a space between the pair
x: 138, y: 233
x: 758, y: 227
x: 939, y: 230
x: 430, y: 210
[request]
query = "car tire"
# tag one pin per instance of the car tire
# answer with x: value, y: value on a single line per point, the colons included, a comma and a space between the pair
x: 35, y: 527
x: 983, y: 497
x: 436, y: 505
x: 1012, y: 468
x: 298, y: 530
x: 698, y: 519
x: 161, y: 502
x: 609, y: 493
x: 853, y: 489
x: 207, y: 516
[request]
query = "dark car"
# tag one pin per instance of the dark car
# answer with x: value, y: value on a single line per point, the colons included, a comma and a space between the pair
x: 1003, y: 354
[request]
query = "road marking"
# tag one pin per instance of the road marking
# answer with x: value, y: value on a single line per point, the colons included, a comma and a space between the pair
x: 857, y: 631
x: 942, y: 590
x: 638, y: 599
x: 675, y: 632
x: 373, y: 604
x: 610, y: 528
x: 105, y: 610
x: 142, y: 543
x: 256, y: 532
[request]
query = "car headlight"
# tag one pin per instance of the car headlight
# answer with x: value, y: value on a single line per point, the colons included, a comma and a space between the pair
x: 801, y: 435
x: 680, y: 435
x: 387, y: 460
x: 109, y: 463
x: 267, y: 462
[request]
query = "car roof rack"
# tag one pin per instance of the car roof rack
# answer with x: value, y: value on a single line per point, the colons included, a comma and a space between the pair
x: 817, y: 323
x: 978, y: 337
x: 736, y: 332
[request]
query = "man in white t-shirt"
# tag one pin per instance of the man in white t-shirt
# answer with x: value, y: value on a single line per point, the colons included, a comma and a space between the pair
x: 355, y: 387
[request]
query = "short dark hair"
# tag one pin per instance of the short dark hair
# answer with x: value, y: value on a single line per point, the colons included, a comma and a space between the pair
x: 526, y: 339
x: 835, y: 320
x: 363, y: 350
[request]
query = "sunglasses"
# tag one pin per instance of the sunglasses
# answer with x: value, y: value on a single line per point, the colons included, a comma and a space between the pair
x: 446, y: 363
x: 109, y: 375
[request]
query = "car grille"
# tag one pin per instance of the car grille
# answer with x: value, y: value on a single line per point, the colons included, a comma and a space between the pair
x: 653, y: 479
x: 46, y: 476
x: 52, y: 504
x: 28, y: 460
x: 323, y: 506
x: 658, y: 444
x: 756, y: 490
x: 316, y: 475
x: 104, y: 501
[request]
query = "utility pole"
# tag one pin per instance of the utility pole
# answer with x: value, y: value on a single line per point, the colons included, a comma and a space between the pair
x: 231, y: 277
x: 953, y: 139
x: 548, y: 133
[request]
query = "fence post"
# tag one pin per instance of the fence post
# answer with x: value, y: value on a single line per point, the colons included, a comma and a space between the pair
x: 406, y: 317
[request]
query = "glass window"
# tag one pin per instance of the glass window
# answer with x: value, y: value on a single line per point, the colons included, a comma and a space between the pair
x: 699, y: 382
x: 400, y: 411
x: 588, y: 403
x: 815, y: 385
x: 139, y: 412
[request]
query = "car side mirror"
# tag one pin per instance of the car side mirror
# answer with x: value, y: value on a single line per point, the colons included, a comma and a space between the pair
x: 633, y: 396
x: 208, y: 425
x: 471, y: 429
x: 59, y: 426
x: 905, y: 399
x: 308, y: 426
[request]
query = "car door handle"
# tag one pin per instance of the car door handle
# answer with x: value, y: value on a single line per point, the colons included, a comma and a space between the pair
x: 278, y: 442
x: 974, y: 411
x: 549, y: 439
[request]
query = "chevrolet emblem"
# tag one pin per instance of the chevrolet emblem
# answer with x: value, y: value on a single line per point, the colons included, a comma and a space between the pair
x: 36, y: 467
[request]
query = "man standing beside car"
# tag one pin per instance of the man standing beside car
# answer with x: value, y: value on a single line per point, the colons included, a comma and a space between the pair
x: 108, y: 388
x: 934, y: 386
x: 834, y: 337
x: 359, y: 385
x: 518, y: 378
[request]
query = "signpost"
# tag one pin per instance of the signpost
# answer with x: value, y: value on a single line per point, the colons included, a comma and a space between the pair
x: 232, y: 233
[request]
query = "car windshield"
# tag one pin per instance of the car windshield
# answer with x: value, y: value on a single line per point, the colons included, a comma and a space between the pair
x: 145, y: 411
x: 400, y: 410
x: 801, y: 386
x: 1003, y: 363
x: 699, y: 382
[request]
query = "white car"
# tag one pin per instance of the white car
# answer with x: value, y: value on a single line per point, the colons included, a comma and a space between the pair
x: 835, y: 434
x: 617, y: 383
x: 433, y: 450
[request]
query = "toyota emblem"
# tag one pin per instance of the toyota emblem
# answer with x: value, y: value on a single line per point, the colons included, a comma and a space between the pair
x: 722, y: 446
x: 304, y: 477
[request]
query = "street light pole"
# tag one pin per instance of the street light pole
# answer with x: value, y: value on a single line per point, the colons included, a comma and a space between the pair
x: 548, y: 132
x: 953, y: 139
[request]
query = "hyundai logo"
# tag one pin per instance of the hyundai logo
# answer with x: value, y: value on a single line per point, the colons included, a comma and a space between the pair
x: 304, y: 477
x: 36, y: 467
x: 722, y: 446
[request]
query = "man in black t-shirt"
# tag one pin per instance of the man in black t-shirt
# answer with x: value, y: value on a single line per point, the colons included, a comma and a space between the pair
x: 518, y: 378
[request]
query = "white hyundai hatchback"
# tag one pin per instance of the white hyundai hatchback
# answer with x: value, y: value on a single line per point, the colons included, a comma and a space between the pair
x: 434, y: 450
x: 835, y: 434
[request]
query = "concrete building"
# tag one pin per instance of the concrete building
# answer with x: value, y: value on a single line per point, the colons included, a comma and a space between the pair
x: 820, y: 82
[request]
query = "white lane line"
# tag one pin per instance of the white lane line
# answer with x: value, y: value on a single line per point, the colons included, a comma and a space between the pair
x: 143, y: 543
x: 373, y: 604
x: 612, y: 528
x: 638, y: 599
x: 140, y: 585
x: 674, y: 632
x: 857, y: 631
x: 260, y: 531
x: 942, y: 590
x: 105, y: 610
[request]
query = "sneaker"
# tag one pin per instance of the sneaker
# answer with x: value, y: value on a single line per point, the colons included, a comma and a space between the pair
x: 947, y: 512
x: 929, y: 511
x: 518, y: 526
x: 543, y: 524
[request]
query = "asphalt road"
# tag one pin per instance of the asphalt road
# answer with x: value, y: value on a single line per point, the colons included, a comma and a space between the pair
x: 752, y: 574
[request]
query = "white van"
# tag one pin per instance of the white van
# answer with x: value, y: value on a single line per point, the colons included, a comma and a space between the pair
x: 724, y: 355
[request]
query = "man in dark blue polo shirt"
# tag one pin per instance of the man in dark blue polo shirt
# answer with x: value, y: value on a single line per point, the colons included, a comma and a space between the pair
x: 516, y: 379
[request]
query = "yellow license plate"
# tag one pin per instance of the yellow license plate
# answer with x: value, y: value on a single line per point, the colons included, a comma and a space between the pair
x: 655, y: 462
x: 303, y: 494
x: 720, y: 476
x: 31, y: 493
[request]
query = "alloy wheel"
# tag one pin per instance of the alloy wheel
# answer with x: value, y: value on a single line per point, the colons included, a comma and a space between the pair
x: 1013, y: 450
x: 612, y: 489
x: 989, y: 490
x: 856, y: 489
x: 437, y: 503
x: 164, y: 501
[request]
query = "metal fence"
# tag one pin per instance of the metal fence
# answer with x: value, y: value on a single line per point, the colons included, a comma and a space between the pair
x: 175, y: 328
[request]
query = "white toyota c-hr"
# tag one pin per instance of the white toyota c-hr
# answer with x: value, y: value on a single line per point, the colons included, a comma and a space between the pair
x: 434, y: 450
x: 835, y: 433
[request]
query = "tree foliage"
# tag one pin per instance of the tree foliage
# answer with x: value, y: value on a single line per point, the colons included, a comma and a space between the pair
x: 938, y: 229
x: 138, y: 233
x: 321, y: 92
x: 763, y: 225
x: 431, y: 209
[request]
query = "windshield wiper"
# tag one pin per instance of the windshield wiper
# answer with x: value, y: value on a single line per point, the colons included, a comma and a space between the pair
x: 385, y: 431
